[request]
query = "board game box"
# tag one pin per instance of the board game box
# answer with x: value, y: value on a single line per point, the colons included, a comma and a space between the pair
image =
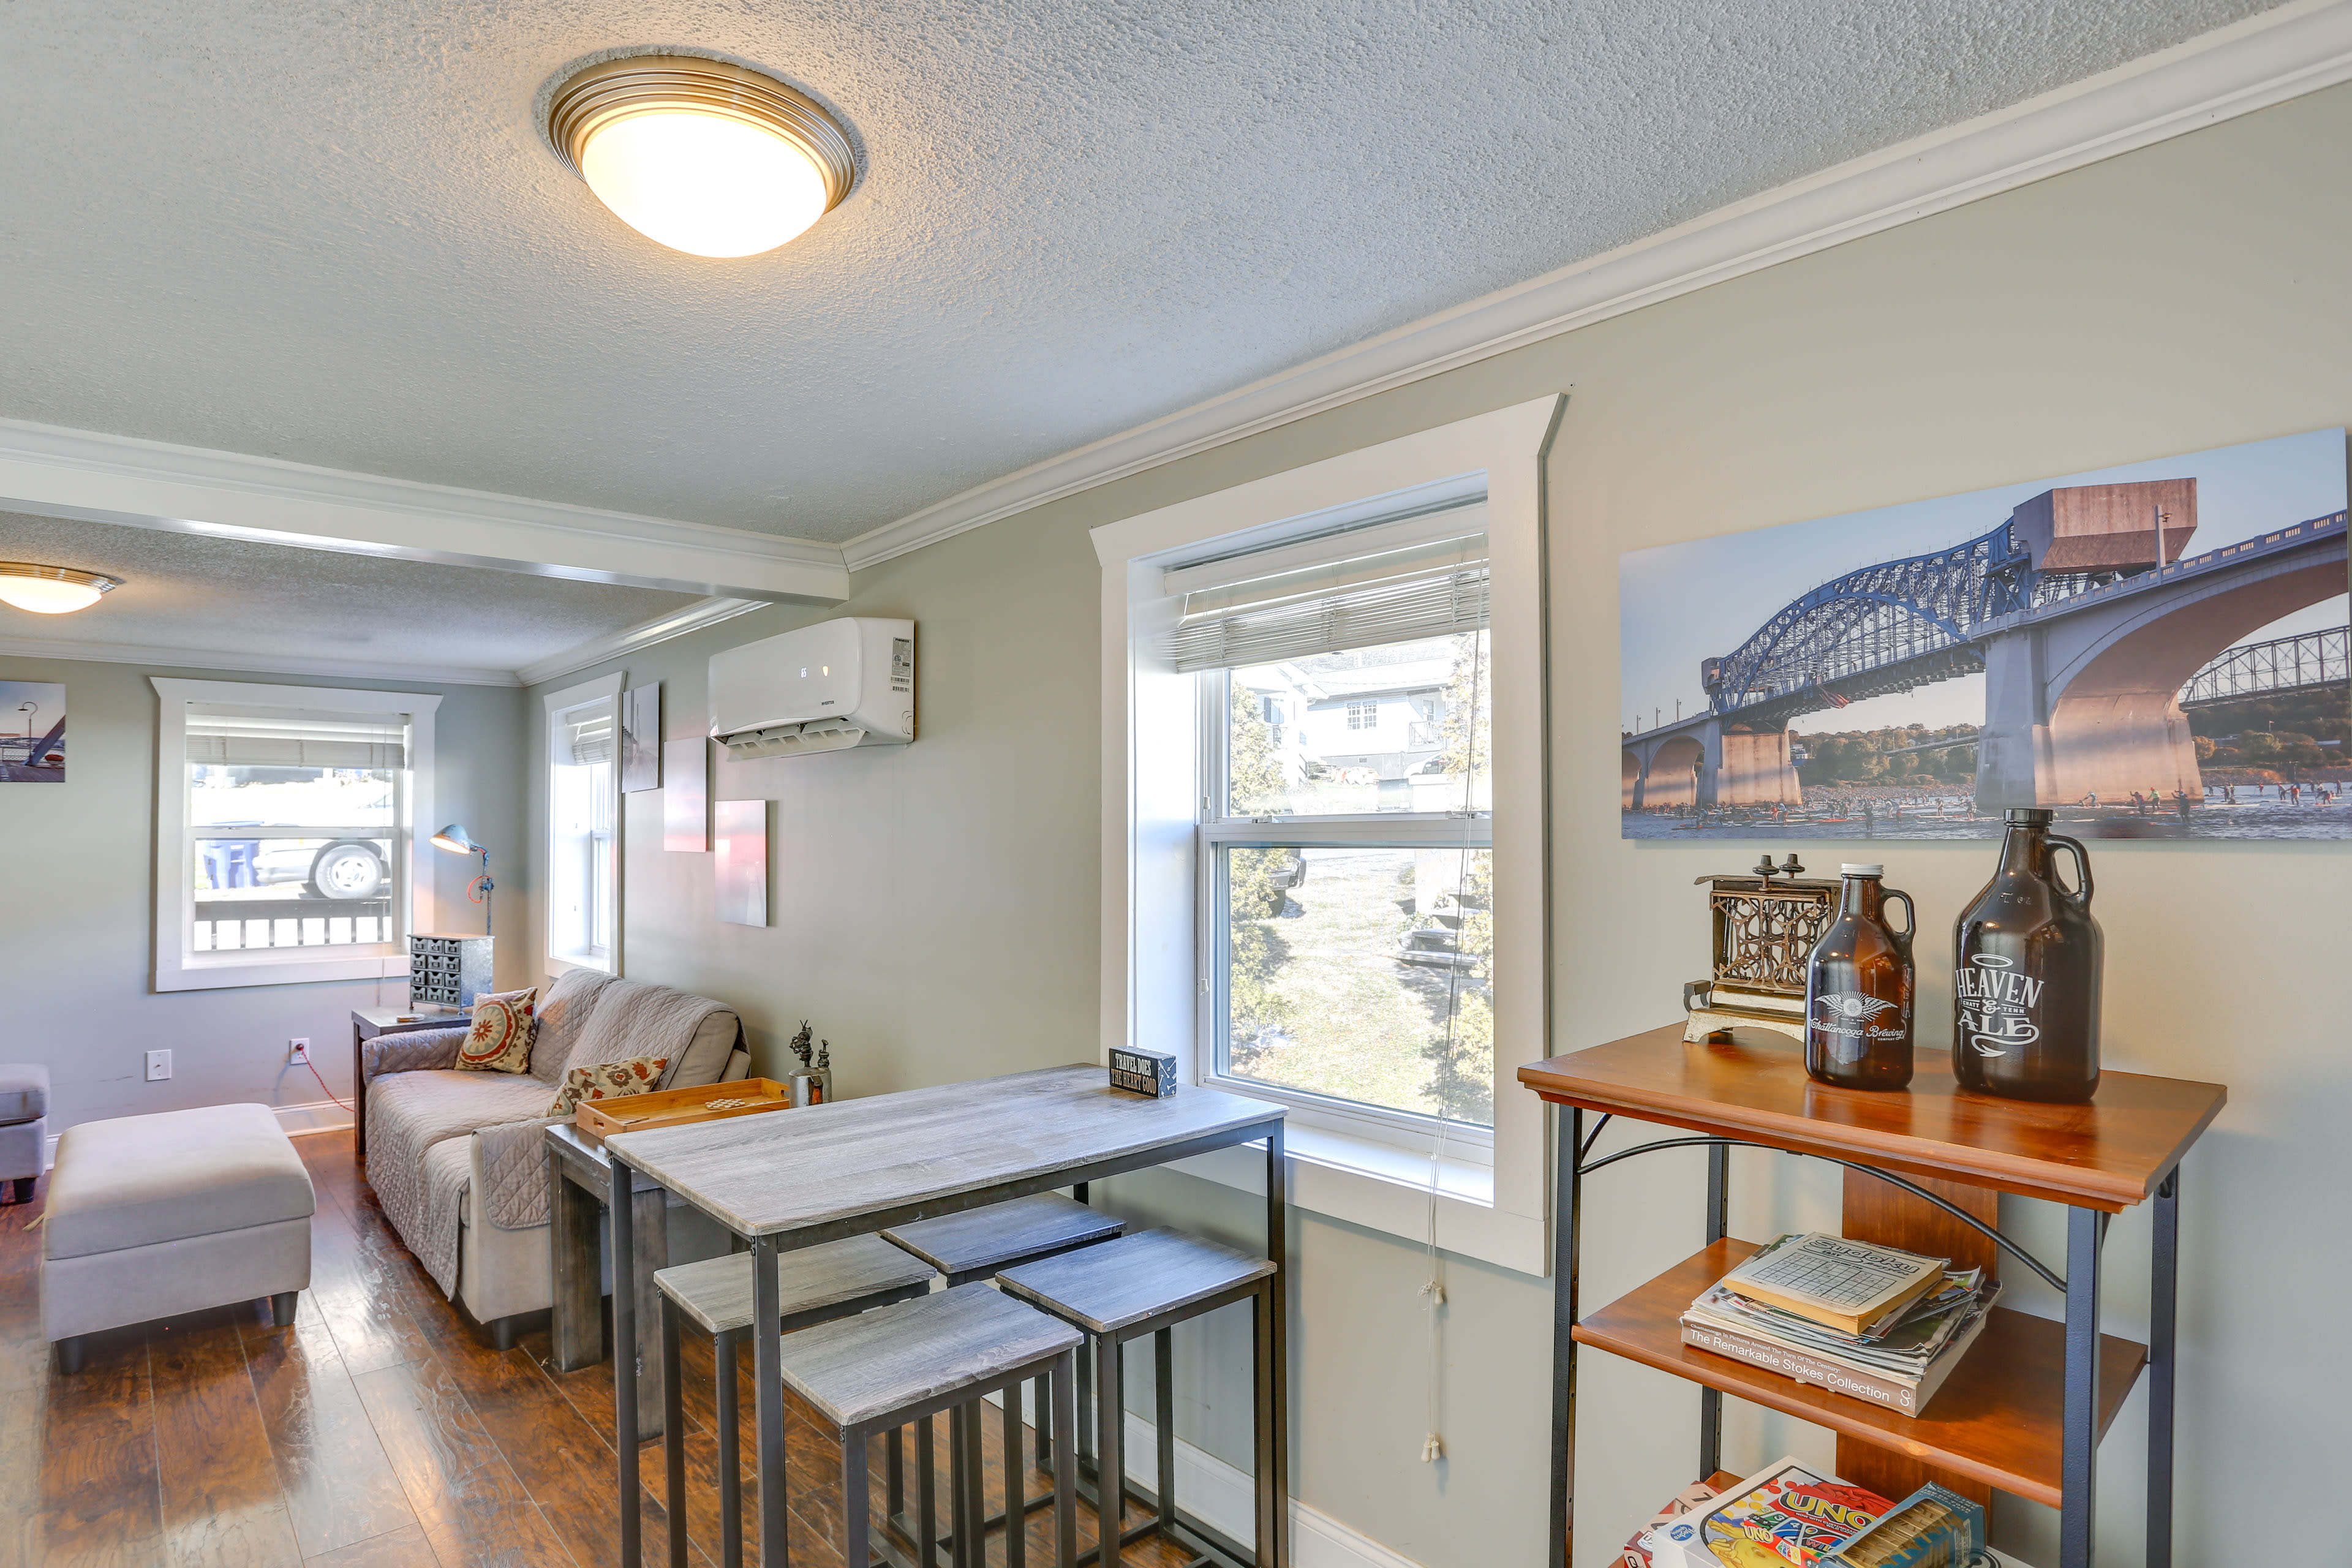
x: 1786, y: 1516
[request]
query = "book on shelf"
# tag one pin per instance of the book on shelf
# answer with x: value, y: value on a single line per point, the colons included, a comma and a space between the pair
x: 1849, y: 1286
x: 1787, y: 1515
x: 1898, y: 1364
x: 1932, y: 1527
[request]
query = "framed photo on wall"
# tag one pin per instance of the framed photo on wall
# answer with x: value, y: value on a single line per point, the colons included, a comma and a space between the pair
x: 2154, y: 650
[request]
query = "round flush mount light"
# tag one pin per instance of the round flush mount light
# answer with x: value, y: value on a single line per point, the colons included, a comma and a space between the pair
x: 52, y: 590
x: 704, y: 156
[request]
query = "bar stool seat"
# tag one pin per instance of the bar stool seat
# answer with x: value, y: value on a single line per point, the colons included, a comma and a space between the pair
x: 883, y: 1368
x: 1146, y: 1284
x: 974, y: 1245
x: 979, y: 1242
x: 817, y: 1285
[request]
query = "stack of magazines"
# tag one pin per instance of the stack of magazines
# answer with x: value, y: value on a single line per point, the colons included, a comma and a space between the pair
x: 1864, y: 1321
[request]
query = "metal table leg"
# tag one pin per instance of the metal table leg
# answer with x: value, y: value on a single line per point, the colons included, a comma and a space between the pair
x: 2087, y: 1228
x: 625, y: 1358
x: 1570, y: 1124
x: 768, y: 1401
x: 1719, y: 1226
x: 1277, y: 1249
x: 2163, y: 1305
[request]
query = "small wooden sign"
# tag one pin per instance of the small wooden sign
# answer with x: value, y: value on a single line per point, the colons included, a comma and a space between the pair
x: 600, y: 1119
x: 1142, y: 1072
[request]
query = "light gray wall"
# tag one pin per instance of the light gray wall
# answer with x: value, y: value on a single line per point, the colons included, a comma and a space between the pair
x: 76, y: 927
x: 937, y: 905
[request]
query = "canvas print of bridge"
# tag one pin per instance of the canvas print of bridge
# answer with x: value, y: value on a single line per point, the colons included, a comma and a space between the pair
x: 32, y: 733
x: 2152, y: 651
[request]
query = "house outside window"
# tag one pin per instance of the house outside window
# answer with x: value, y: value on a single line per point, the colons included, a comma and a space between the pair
x: 1363, y: 715
x: 286, y: 841
x: 584, y: 803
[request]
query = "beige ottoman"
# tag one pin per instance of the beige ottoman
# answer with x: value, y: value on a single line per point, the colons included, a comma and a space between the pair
x: 150, y: 1216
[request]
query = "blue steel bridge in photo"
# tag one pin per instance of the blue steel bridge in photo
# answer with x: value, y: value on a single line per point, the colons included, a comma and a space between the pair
x: 2090, y: 623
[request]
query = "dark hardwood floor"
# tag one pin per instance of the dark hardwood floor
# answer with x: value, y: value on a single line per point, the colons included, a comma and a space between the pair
x: 378, y: 1431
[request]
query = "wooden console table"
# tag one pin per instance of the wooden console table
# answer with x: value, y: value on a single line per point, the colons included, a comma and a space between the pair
x: 2024, y: 1410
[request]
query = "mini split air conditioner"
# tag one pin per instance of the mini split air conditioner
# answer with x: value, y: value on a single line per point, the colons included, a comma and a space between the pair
x: 824, y: 688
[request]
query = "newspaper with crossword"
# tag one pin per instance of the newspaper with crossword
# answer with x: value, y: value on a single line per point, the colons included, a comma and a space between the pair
x: 1833, y: 1273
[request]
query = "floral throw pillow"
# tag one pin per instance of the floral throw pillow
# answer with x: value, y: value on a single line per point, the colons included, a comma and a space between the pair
x: 500, y: 1040
x: 607, y: 1080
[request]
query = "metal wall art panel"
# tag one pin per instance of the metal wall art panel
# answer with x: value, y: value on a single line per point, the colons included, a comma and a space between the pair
x: 740, y: 827
x: 685, y: 795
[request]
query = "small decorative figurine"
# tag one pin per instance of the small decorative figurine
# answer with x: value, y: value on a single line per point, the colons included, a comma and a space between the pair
x: 824, y: 1069
x: 799, y: 1046
x: 1765, y: 924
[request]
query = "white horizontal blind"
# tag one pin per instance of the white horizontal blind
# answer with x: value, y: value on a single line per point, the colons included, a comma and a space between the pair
x: 1424, y: 603
x: 296, y: 738
x: 584, y: 734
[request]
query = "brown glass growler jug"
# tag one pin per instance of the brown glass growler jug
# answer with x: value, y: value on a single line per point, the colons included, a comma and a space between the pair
x: 1858, y: 985
x: 2025, y: 973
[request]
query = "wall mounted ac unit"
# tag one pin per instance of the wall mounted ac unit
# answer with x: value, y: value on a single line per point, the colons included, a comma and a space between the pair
x: 824, y: 688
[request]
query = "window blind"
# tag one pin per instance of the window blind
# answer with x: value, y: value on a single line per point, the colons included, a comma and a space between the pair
x: 582, y: 735
x: 296, y: 738
x: 1425, y: 593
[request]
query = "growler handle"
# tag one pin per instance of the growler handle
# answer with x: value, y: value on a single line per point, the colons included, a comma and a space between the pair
x: 2074, y: 847
x: 1910, y: 916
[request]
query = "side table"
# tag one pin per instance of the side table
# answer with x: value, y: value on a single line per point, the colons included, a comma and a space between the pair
x: 578, y: 1194
x: 367, y: 1023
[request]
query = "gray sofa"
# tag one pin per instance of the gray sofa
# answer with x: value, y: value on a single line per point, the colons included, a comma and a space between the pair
x: 456, y: 1157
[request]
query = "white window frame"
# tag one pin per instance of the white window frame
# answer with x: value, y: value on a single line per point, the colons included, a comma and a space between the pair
x: 1155, y: 975
x: 606, y: 689
x: 178, y: 967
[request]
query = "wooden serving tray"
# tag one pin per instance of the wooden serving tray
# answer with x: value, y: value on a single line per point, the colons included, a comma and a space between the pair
x: 599, y: 1119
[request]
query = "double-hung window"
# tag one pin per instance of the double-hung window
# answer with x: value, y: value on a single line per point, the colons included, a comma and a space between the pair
x: 1345, y: 913
x: 286, y: 842
x: 1324, y: 826
x: 583, y: 801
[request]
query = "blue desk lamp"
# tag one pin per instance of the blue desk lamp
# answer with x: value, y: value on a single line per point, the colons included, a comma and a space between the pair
x: 458, y: 841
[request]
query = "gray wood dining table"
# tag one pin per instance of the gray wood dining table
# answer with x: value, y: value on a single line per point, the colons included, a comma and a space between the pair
x: 802, y: 1177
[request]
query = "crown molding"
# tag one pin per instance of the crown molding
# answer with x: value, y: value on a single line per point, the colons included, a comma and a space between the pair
x: 101, y: 477
x: 250, y: 664
x: 2295, y: 49
x: 622, y: 644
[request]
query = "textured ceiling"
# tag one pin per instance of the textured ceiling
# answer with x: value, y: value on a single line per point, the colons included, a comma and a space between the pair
x: 334, y: 235
x: 245, y: 601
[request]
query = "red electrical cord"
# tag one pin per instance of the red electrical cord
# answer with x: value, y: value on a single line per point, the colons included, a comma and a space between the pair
x: 323, y: 1083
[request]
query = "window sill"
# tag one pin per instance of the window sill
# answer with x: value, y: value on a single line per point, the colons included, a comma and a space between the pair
x: 1385, y: 1188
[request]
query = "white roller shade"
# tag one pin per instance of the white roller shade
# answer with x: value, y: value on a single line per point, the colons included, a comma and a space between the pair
x: 296, y: 738
x: 1430, y: 590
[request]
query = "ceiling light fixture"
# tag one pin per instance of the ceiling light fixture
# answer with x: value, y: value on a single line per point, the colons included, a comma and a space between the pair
x: 706, y: 157
x: 52, y: 590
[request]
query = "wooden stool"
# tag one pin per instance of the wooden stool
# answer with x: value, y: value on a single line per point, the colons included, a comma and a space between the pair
x: 1146, y: 1284
x: 817, y: 1284
x: 974, y: 1245
x: 879, y: 1370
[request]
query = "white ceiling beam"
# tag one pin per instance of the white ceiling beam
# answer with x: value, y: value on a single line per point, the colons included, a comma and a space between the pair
x: 100, y: 478
x: 2297, y: 49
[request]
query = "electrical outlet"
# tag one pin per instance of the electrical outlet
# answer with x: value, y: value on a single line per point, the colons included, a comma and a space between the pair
x: 297, y: 1051
x: 159, y: 1066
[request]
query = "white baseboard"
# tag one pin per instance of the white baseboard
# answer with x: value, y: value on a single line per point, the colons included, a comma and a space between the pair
x: 1225, y: 1499
x: 319, y: 1115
